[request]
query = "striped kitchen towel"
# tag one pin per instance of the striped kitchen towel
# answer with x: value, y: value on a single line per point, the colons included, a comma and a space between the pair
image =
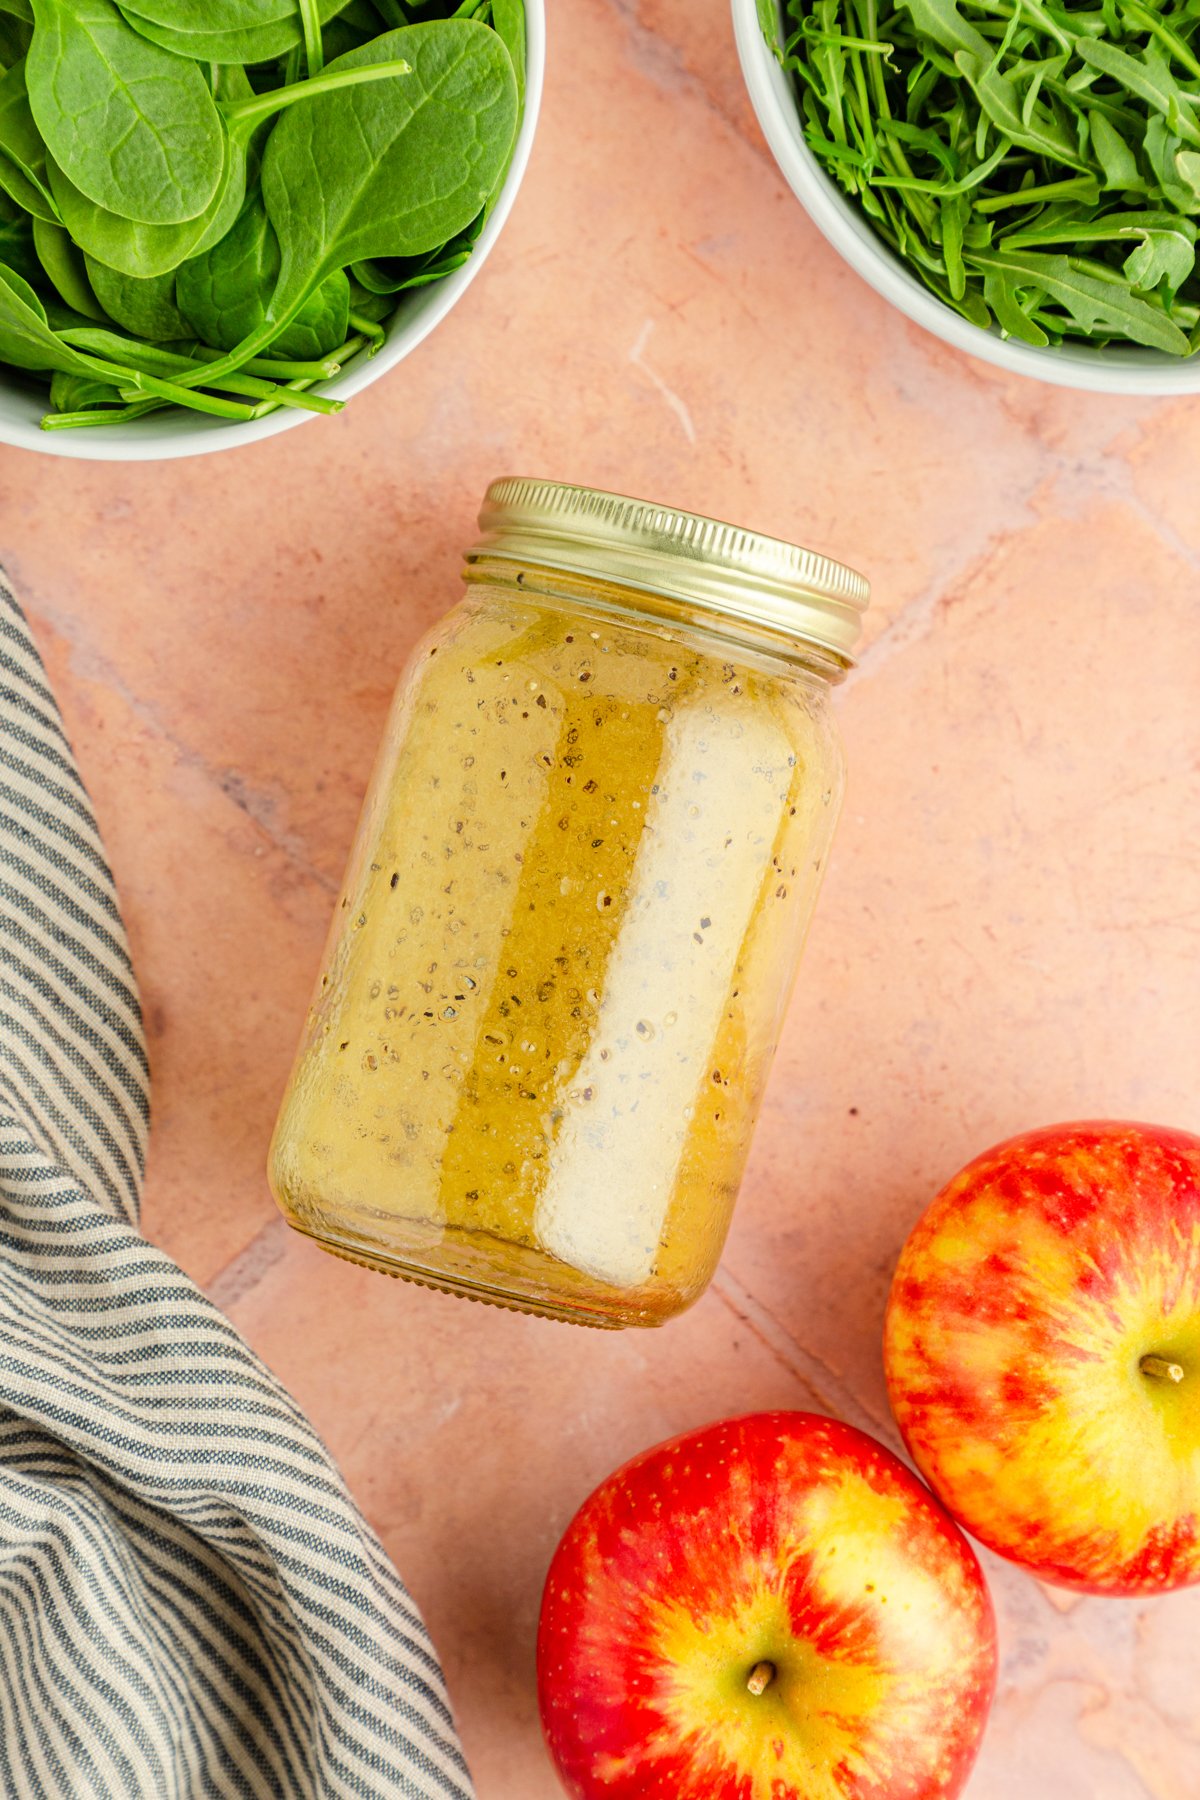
x: 190, y: 1603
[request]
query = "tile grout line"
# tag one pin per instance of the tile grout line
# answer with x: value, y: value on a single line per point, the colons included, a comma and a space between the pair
x: 823, y: 1382
x: 93, y: 666
x: 247, y: 1268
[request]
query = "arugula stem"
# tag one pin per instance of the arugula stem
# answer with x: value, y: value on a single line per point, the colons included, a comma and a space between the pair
x: 840, y: 41
x: 242, y: 112
x: 948, y: 189
x: 1154, y: 25
x: 1082, y: 185
x: 1035, y: 162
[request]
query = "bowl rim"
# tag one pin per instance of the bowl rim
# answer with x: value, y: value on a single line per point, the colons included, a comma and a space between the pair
x: 161, y: 436
x: 1126, y: 370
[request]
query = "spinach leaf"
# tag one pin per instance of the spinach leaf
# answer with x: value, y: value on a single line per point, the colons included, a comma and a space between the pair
x: 72, y: 393
x: 27, y: 339
x: 137, y: 249
x: 22, y: 153
x: 222, y: 31
x: 145, y: 306
x: 320, y: 325
x: 14, y: 39
x: 17, y: 248
x: 390, y: 275
x: 133, y: 127
x: 135, y: 273
x: 224, y: 294
x: 401, y: 166
x: 63, y: 263
x: 142, y: 250
x: 508, y: 22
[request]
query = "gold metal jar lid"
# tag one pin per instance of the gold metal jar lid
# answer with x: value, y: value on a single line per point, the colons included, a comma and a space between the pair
x: 683, y: 556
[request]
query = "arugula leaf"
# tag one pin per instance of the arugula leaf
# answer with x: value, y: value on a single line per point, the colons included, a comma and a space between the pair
x: 1095, y: 306
x: 768, y: 24
x: 941, y: 22
x: 1035, y: 163
x: 1163, y: 258
x: 1148, y: 77
x: 1115, y: 155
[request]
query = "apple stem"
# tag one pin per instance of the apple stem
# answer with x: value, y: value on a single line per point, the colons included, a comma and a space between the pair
x: 1161, y: 1368
x: 760, y: 1677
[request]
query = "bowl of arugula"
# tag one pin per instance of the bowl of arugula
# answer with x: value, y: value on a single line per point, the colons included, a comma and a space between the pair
x: 221, y: 217
x: 1020, y: 177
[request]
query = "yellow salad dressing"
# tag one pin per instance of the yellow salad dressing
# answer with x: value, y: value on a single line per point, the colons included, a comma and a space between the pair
x: 556, y: 975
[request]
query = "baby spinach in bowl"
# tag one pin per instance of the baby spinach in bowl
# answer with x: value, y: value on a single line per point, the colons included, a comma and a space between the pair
x: 266, y: 193
x: 1014, y: 174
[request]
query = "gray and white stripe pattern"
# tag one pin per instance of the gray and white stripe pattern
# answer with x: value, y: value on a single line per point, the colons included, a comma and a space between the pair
x: 190, y: 1603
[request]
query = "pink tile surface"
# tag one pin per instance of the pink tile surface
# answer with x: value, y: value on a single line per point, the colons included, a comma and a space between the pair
x: 1009, y: 932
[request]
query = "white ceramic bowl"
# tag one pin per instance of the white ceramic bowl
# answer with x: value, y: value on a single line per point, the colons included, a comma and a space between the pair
x: 176, y: 433
x: 1120, y: 370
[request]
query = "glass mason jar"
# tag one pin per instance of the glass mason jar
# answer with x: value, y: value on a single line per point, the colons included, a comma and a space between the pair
x: 573, y: 911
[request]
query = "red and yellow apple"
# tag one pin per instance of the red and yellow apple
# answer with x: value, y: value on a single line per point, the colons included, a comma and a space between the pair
x: 1043, y: 1353
x: 771, y: 1608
